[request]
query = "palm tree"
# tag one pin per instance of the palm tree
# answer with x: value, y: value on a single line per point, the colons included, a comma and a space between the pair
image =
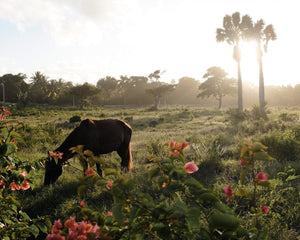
x: 262, y: 35
x: 233, y: 31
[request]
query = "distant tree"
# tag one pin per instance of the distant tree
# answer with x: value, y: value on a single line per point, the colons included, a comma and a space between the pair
x: 15, y: 87
x: 108, y: 87
x: 216, y: 84
x: 262, y: 34
x: 38, y: 92
x: 84, y: 94
x: 185, y: 91
x: 234, y: 29
x: 158, y: 89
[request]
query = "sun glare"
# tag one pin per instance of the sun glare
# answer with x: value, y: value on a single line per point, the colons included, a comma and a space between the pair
x: 249, y: 64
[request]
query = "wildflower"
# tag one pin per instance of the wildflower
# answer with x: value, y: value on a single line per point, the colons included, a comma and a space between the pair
x: 82, y: 204
x: 55, y: 236
x: 242, y: 162
x: 184, y: 145
x: 14, y: 186
x: 71, y: 224
x: 178, y: 146
x: 228, y: 192
x: 56, y: 226
x: 14, y: 140
x: 57, y: 155
x: 90, y: 171
x: 261, y: 176
x: 109, y: 184
x: 25, y: 185
x: 191, y: 167
x: 108, y: 213
x: 175, y: 152
x: 164, y: 185
x: 23, y: 173
x: 2, y: 184
x: 172, y: 144
x: 265, y: 209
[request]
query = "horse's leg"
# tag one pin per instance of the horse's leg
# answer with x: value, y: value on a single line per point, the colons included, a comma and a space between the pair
x: 99, y: 171
x: 124, y: 153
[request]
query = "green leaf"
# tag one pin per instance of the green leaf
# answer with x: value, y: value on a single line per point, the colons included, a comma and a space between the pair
x: 42, y: 227
x: 262, y: 156
x: 244, y: 150
x: 193, y: 218
x: 153, y: 172
x: 291, y: 178
x: 263, y: 234
x: 223, y: 221
x: 257, y: 146
x: 117, y: 212
x: 81, y: 190
x: 243, y: 174
x: 111, y: 172
x: 34, y: 230
x: 17, y: 137
x: 7, y: 149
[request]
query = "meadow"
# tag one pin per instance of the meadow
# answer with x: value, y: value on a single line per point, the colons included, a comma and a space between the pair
x: 215, y: 138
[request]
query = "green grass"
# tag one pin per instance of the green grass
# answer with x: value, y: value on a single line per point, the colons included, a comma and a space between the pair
x: 215, y: 142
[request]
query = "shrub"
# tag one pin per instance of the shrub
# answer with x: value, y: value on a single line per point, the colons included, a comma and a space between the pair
x: 75, y: 119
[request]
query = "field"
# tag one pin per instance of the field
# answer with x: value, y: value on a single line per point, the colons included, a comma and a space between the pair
x: 215, y: 139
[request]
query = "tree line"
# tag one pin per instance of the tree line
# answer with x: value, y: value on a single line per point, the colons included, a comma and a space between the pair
x: 216, y: 90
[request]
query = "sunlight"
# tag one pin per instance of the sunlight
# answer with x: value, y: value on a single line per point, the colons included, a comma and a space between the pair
x: 249, y: 64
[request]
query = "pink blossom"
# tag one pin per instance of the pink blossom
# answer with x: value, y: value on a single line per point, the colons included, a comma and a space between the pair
x: 261, y: 176
x: 14, y: 186
x: 242, y: 162
x: 164, y: 185
x: 2, y: 184
x: 172, y: 144
x: 25, y: 185
x: 90, y: 171
x: 175, y: 152
x: 184, y: 145
x: 82, y: 204
x: 265, y: 209
x: 23, y: 173
x: 228, y: 192
x: 108, y: 213
x: 71, y: 223
x: 55, y: 236
x: 109, y: 184
x: 191, y: 167
x: 57, y: 155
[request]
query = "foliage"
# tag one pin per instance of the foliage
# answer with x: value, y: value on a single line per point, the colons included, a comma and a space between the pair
x: 15, y: 223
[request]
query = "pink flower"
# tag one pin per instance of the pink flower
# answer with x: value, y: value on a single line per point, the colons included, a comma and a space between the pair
x: 228, y: 192
x: 14, y: 140
x: 191, y: 167
x: 71, y: 224
x: 261, y: 176
x: 90, y: 171
x: 57, y: 155
x: 2, y: 184
x: 265, y: 209
x: 56, y: 226
x: 25, y: 185
x: 55, y: 236
x: 164, y: 185
x: 108, y: 213
x: 23, y: 173
x: 72, y: 236
x: 178, y: 146
x: 242, y: 162
x: 175, y: 152
x: 172, y: 144
x: 82, y: 204
x: 184, y: 145
x: 14, y: 186
x: 109, y: 184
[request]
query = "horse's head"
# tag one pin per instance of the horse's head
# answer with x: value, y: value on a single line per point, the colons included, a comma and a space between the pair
x: 52, y: 170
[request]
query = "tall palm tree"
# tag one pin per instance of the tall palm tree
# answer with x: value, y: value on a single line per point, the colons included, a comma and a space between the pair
x: 233, y: 31
x: 262, y: 35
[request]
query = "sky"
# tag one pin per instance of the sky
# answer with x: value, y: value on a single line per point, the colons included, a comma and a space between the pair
x: 85, y: 40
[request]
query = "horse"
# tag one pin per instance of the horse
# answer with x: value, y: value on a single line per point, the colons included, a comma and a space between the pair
x: 98, y: 136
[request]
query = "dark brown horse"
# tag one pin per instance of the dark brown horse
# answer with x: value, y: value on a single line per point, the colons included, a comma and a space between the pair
x: 99, y: 136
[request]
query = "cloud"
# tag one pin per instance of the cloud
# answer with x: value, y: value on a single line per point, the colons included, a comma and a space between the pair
x: 69, y: 22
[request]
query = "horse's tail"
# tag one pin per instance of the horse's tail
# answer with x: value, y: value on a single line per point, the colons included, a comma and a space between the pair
x: 130, y: 164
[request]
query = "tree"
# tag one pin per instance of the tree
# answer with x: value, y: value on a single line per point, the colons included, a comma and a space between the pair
x: 234, y: 29
x: 216, y: 84
x: 39, y: 88
x: 108, y: 86
x: 15, y: 87
x: 262, y: 35
x: 84, y: 93
x: 158, y: 89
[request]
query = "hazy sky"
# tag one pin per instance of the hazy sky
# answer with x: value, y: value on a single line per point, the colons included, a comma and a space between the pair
x: 84, y: 40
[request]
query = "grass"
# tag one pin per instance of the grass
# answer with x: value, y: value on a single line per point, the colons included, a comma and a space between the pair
x: 215, y: 141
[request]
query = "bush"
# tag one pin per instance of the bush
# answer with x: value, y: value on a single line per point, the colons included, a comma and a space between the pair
x: 75, y: 119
